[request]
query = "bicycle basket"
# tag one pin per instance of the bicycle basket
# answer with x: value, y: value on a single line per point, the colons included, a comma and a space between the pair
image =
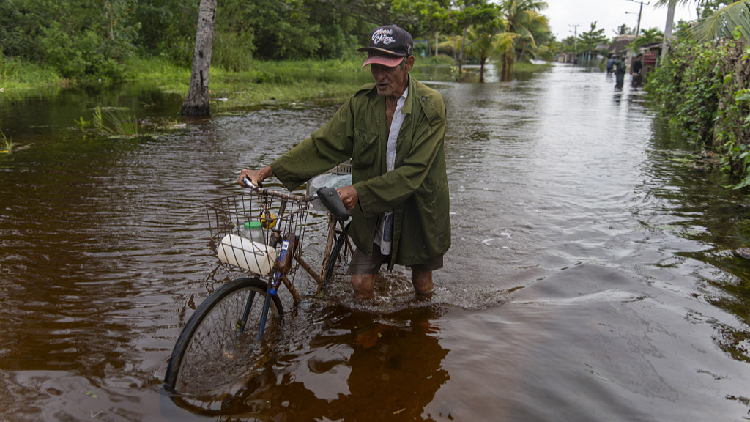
x: 247, y: 229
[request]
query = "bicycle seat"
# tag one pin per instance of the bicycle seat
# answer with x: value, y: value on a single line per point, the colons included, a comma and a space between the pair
x: 330, y: 198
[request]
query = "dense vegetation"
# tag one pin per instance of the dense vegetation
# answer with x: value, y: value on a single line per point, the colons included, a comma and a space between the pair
x: 702, y: 87
x: 95, y: 39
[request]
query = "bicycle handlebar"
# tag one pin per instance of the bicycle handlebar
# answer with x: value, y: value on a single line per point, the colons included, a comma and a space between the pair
x: 328, y: 197
x: 331, y: 199
x: 275, y: 193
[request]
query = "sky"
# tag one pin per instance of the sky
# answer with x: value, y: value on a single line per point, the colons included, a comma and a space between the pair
x: 608, y: 14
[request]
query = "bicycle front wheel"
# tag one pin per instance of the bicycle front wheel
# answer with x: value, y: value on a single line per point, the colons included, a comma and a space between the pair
x: 216, y: 354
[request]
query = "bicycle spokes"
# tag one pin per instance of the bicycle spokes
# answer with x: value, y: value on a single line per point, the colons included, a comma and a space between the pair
x: 240, y: 325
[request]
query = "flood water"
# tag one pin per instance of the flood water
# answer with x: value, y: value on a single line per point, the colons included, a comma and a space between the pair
x: 590, y: 276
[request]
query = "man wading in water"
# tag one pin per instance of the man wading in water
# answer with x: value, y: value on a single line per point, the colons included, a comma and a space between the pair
x: 393, y: 131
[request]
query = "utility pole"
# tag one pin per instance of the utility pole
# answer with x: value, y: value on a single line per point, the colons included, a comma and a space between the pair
x: 575, y: 39
x: 640, y: 13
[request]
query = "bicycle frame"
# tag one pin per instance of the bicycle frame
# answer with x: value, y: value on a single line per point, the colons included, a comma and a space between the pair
x: 233, y: 308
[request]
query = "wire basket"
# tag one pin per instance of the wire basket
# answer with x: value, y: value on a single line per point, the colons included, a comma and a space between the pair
x: 343, y: 168
x: 254, y: 247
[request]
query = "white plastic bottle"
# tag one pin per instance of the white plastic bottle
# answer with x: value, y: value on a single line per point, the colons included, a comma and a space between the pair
x: 246, y: 254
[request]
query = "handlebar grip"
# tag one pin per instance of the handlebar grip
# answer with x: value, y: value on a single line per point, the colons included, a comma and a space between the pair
x: 331, y: 199
x: 249, y: 183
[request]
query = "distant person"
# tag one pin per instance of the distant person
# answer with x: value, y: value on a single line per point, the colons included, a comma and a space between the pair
x: 620, y: 69
x: 611, y: 64
x: 637, y: 70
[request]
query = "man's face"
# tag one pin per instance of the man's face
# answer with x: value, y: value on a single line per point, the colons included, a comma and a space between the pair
x: 392, y: 81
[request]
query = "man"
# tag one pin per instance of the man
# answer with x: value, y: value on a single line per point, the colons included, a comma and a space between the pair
x: 620, y: 69
x: 637, y: 68
x: 611, y: 63
x: 393, y: 131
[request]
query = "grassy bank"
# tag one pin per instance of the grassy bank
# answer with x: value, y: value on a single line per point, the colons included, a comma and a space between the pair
x: 287, y: 82
x: 264, y: 83
x: 270, y: 83
x: 530, y: 67
x: 17, y: 74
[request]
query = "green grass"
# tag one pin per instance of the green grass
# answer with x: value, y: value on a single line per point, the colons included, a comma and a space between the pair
x: 308, y: 65
x: 529, y: 67
x: 113, y: 122
x: 265, y: 83
x: 7, y: 145
x: 154, y: 68
x: 18, y: 74
x: 441, y: 59
x: 287, y: 82
x: 300, y: 93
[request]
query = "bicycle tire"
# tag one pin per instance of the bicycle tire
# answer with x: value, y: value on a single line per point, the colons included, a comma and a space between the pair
x: 209, y: 360
x: 334, y: 257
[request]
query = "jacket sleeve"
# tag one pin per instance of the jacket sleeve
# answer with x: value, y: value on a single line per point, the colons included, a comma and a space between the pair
x: 328, y: 146
x: 383, y: 193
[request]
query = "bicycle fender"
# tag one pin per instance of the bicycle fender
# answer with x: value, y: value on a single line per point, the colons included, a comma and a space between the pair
x: 331, y: 199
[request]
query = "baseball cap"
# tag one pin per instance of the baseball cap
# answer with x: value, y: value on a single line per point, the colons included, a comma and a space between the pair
x: 389, y: 45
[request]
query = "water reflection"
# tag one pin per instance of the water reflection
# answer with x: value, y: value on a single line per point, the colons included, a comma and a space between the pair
x: 591, y: 274
x: 357, y: 366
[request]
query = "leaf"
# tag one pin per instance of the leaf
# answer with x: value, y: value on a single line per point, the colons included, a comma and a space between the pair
x: 725, y: 21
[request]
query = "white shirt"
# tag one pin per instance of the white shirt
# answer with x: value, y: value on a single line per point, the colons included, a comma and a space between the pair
x: 384, y: 234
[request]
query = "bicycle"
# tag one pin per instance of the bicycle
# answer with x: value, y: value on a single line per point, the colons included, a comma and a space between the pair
x: 220, y: 347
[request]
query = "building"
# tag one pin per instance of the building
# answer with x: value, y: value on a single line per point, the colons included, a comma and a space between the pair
x: 621, y: 47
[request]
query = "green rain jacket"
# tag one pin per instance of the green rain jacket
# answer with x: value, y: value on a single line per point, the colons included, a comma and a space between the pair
x: 416, y: 190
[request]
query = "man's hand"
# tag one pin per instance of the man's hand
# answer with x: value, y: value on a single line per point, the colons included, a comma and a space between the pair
x: 255, y: 176
x: 348, y: 196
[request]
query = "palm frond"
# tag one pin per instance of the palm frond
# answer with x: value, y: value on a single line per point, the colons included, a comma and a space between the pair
x: 503, y: 43
x: 724, y: 21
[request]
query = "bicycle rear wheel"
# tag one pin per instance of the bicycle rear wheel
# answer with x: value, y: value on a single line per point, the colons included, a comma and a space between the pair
x: 213, y: 358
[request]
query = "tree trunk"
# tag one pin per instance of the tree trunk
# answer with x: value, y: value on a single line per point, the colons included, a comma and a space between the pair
x: 508, y: 65
x: 196, y: 102
x: 481, y: 68
x: 460, y: 59
x: 668, y: 28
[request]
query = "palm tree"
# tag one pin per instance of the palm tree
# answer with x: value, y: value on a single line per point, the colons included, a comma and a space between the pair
x: 534, y: 24
x: 522, y: 17
x: 648, y: 36
x: 504, y: 45
x: 484, y: 44
x: 465, y: 14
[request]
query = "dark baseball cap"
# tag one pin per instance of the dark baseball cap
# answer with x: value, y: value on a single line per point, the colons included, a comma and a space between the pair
x: 385, y: 43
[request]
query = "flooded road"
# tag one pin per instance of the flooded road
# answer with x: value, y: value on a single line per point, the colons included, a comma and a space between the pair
x: 590, y: 276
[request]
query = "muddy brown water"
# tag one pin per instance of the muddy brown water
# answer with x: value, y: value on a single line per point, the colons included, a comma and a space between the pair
x: 590, y: 276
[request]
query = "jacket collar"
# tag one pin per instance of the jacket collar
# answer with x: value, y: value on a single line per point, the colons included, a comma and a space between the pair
x: 406, y: 109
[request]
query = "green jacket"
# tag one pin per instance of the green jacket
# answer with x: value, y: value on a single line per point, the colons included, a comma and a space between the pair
x: 621, y: 67
x: 417, y: 190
